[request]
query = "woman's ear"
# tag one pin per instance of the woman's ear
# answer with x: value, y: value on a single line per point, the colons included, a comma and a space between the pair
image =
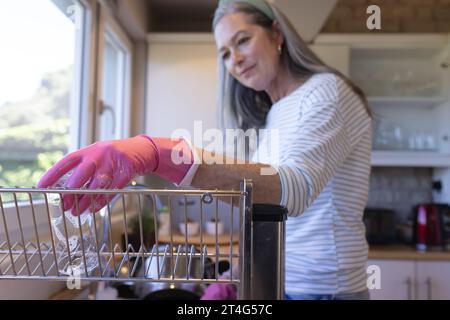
x: 277, y: 32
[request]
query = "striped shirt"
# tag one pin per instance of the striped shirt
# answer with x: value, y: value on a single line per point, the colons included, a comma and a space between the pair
x: 324, y: 138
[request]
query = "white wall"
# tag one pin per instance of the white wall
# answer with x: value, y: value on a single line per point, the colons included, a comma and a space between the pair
x: 181, y: 86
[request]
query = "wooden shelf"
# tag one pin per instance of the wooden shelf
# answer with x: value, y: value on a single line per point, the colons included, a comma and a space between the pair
x: 410, y: 159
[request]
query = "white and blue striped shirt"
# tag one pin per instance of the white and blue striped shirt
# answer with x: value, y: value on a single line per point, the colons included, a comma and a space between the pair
x: 324, y: 167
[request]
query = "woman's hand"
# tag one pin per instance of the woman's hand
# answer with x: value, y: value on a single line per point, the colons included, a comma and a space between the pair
x: 102, y: 165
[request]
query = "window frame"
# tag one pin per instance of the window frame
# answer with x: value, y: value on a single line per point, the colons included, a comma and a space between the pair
x: 109, y: 27
x: 80, y: 116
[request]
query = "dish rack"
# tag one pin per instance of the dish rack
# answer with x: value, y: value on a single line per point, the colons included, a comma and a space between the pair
x: 32, y: 248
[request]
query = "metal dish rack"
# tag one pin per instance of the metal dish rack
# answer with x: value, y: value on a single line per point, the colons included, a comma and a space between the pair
x: 30, y: 248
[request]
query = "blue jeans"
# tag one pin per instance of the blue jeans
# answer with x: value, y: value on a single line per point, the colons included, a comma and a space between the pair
x: 363, y: 295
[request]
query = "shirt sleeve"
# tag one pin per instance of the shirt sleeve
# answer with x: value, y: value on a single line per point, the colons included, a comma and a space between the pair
x: 320, y: 145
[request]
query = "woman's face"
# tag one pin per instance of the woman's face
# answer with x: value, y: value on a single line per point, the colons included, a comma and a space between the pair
x: 249, y: 52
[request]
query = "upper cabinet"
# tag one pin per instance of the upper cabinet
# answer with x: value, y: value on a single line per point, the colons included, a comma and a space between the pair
x: 407, y: 81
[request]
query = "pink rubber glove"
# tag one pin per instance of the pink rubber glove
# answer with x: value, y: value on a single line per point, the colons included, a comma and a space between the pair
x: 220, y: 291
x: 113, y: 164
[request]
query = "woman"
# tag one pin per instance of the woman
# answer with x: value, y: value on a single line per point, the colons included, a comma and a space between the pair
x: 271, y: 80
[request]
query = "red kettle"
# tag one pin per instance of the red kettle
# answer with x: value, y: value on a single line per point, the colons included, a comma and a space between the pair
x: 429, y: 231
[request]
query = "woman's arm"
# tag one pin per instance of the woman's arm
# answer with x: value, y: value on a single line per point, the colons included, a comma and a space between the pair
x: 266, y: 187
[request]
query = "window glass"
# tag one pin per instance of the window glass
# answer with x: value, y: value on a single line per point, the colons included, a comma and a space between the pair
x: 114, y: 87
x: 40, y: 63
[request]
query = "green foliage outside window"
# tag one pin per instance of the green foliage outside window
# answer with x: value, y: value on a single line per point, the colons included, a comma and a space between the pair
x: 34, y: 133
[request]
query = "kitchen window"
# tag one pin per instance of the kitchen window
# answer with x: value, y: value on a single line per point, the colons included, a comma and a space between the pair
x: 43, y: 93
x: 114, y: 83
x: 63, y: 63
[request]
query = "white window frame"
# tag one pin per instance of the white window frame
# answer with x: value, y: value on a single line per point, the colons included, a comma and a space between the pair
x: 109, y: 27
x: 86, y: 55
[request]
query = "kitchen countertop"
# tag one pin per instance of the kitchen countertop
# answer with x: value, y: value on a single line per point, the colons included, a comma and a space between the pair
x: 405, y: 252
x: 391, y: 252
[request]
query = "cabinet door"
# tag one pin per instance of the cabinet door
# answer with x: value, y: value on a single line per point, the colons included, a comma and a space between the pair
x: 433, y: 280
x: 397, y: 280
x: 182, y: 87
x: 336, y: 56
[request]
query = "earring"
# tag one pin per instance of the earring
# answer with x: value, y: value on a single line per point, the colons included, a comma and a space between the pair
x: 279, y: 49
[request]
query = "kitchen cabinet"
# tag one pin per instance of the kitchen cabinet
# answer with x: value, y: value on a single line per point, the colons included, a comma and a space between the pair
x: 407, y: 81
x: 412, y: 280
x: 397, y: 280
x: 433, y: 280
x: 407, y: 90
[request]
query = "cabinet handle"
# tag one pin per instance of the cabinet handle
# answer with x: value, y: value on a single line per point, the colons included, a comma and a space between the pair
x: 428, y: 283
x: 408, y: 282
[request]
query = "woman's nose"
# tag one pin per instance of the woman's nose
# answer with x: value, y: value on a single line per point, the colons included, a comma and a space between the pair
x: 236, y: 58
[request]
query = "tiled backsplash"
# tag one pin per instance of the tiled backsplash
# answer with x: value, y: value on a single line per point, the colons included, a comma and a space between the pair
x: 400, y: 189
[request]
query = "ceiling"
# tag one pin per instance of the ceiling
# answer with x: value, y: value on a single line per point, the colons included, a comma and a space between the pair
x: 307, y: 16
x: 181, y: 15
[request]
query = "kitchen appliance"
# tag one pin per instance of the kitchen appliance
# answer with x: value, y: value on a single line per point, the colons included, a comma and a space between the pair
x: 380, y: 225
x: 431, y: 226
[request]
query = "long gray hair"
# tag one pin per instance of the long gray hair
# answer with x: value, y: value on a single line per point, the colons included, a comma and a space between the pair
x: 245, y: 108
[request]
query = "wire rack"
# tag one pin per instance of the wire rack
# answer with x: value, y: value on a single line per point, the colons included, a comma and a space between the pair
x: 124, y: 241
x: 34, y: 246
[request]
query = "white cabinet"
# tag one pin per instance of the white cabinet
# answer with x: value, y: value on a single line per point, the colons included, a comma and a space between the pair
x: 407, y: 81
x: 407, y: 90
x: 433, y: 280
x: 412, y: 280
x: 397, y: 280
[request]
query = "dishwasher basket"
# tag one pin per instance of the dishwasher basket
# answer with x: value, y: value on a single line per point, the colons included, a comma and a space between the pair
x: 32, y: 248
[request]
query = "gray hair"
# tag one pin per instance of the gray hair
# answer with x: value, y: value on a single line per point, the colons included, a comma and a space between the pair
x: 245, y: 108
